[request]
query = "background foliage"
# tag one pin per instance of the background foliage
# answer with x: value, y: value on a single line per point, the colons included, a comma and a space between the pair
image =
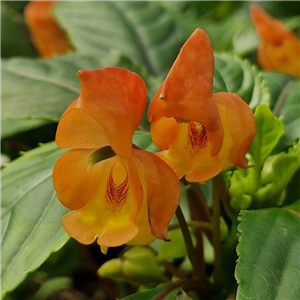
x: 145, y: 37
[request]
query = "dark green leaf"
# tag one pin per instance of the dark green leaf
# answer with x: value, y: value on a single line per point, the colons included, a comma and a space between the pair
x: 268, y: 265
x: 14, y: 34
x: 141, y: 30
x: 238, y: 76
x: 30, y: 215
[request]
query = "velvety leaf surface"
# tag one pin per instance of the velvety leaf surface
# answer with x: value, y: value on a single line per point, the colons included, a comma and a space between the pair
x: 30, y: 215
x: 268, y: 265
x: 235, y: 75
x: 141, y: 30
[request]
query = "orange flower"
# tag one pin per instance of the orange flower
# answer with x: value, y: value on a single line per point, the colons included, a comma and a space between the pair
x: 200, y: 133
x: 118, y: 193
x: 280, y: 48
x: 47, y: 36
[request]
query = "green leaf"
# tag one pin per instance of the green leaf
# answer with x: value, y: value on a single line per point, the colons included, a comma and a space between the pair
x: 238, y: 76
x: 141, y: 30
x: 30, y: 215
x: 173, y: 249
x: 269, y: 129
x: 285, y: 95
x: 143, y: 140
x: 268, y: 264
x: 14, y: 41
x: 151, y: 293
x: 290, y: 114
x: 39, y: 90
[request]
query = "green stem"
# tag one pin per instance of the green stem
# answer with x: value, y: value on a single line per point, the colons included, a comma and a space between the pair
x: 193, y: 224
x: 216, y: 235
x: 188, y: 242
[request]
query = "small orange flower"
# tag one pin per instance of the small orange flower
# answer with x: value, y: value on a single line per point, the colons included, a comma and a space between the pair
x: 47, y: 36
x: 280, y: 48
x: 201, y: 133
x: 129, y: 197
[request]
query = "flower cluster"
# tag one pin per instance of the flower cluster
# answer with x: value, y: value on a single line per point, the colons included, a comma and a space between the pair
x: 121, y: 194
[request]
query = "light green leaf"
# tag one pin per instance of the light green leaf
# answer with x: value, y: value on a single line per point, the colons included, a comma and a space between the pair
x: 268, y: 264
x: 30, y: 215
x: 269, y: 129
x: 173, y: 249
x: 141, y: 30
x: 238, y: 76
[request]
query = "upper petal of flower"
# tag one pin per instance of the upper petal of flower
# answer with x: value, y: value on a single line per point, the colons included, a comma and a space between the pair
x: 111, y: 103
x: 186, y: 94
x: 163, y: 192
x: 46, y: 34
x: 280, y: 48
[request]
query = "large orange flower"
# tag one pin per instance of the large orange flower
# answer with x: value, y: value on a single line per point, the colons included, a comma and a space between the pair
x: 201, y: 133
x: 47, y: 36
x: 280, y: 48
x: 118, y: 193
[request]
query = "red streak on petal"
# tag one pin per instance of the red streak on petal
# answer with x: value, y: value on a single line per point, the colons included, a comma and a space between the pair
x: 197, y: 136
x: 116, y: 194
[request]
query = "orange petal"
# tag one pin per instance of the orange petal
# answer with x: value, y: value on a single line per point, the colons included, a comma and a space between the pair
x: 110, y: 210
x: 116, y: 99
x: 78, y: 129
x: 74, y: 184
x: 163, y: 192
x: 241, y: 123
x: 280, y: 48
x: 186, y: 93
x: 77, y: 230
x: 46, y: 34
x: 163, y: 131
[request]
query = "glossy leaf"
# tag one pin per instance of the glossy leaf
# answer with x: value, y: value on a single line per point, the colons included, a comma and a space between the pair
x: 268, y: 249
x: 235, y: 75
x: 30, y: 215
x: 141, y: 30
